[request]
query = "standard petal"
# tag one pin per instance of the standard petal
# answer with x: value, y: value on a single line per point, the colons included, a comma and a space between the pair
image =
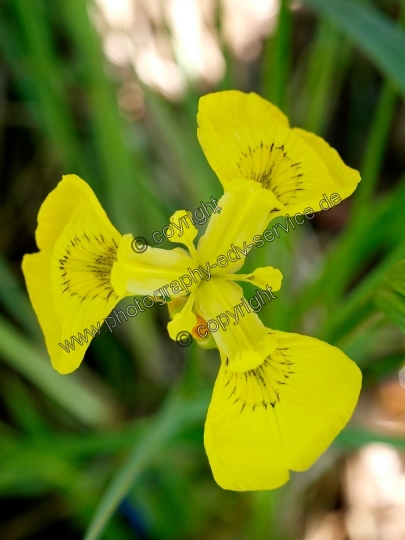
x: 266, y: 277
x: 184, y: 321
x: 280, y: 416
x: 244, y: 214
x: 145, y: 273
x: 235, y: 131
x: 285, y: 161
x: 184, y: 230
x: 243, y: 338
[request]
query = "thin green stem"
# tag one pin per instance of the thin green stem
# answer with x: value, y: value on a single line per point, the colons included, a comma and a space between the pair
x: 276, y: 79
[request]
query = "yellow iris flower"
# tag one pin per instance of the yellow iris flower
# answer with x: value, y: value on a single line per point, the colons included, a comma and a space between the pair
x: 279, y: 399
x: 244, y: 214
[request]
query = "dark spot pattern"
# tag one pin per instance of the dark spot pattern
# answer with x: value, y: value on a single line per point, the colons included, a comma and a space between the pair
x: 260, y: 387
x: 85, y: 267
x: 270, y: 157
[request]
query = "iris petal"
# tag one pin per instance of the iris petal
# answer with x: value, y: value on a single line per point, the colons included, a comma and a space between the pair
x: 145, y: 273
x: 59, y: 207
x: 184, y: 321
x: 280, y: 416
x: 262, y: 277
x: 241, y: 138
x: 344, y: 177
x: 243, y: 339
x: 69, y: 279
x: 245, y: 213
x: 184, y: 230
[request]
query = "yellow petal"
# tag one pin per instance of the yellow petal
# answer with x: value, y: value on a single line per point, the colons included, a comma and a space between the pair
x: 59, y: 207
x: 183, y: 321
x: 184, y: 231
x: 243, y: 443
x: 169, y: 271
x: 81, y: 266
x: 69, y: 280
x: 280, y: 416
x: 37, y: 273
x: 267, y: 277
x: 241, y: 336
x: 290, y: 164
x: 230, y: 235
x: 344, y: 177
x: 234, y: 108
x: 318, y: 398
x: 176, y: 305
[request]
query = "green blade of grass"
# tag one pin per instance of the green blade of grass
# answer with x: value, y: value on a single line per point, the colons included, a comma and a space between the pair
x: 176, y: 414
x: 263, y: 521
x: 277, y: 60
x: 31, y: 57
x: 363, y: 237
x: 15, y: 300
x: 22, y: 406
x: 78, y: 399
x: 359, y: 303
x: 390, y: 297
x: 76, y: 447
x: 353, y: 438
x: 192, y: 176
x: 376, y: 146
x: 327, y: 67
x: 372, y: 31
x: 126, y: 197
x: 377, y: 139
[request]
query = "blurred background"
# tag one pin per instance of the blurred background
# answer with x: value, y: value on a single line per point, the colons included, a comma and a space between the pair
x: 109, y: 89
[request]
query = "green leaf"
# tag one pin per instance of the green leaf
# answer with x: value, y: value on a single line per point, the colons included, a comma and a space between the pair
x: 276, y: 78
x: 354, y: 307
x: 29, y: 51
x: 353, y: 438
x: 127, y: 200
x: 367, y: 234
x: 318, y: 91
x: 15, y: 300
x: 375, y: 34
x: 178, y: 413
x: 390, y: 297
x: 377, y: 139
x: 75, y: 396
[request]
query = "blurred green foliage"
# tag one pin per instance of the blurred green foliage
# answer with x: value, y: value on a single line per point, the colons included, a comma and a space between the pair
x: 116, y: 449
x: 390, y: 296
